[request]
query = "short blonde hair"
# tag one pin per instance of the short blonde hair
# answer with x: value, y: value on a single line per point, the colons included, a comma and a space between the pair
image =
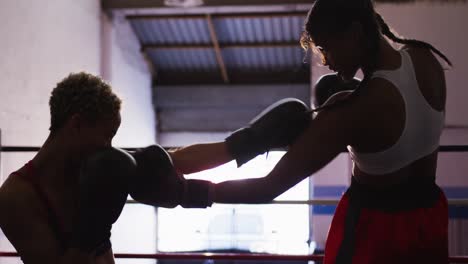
x: 85, y: 94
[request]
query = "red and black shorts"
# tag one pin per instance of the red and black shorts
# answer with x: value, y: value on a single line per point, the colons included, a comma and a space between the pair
x: 407, y: 223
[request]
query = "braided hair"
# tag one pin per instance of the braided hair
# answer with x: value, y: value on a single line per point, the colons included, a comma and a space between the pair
x: 328, y: 18
x: 385, y: 29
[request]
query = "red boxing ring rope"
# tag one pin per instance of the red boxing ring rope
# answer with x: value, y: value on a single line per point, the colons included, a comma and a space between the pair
x: 231, y: 256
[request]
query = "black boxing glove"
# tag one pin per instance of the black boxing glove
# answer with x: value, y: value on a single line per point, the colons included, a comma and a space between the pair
x: 103, y: 190
x: 330, y: 84
x: 275, y: 128
x: 157, y: 183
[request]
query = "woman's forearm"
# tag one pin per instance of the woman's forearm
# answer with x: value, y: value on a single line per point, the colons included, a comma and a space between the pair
x: 199, y: 157
x: 248, y: 191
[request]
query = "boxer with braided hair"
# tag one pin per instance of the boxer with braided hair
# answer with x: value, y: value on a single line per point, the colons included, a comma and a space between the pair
x: 393, y: 211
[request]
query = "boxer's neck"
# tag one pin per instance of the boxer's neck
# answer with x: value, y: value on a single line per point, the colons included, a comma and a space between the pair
x: 57, y: 165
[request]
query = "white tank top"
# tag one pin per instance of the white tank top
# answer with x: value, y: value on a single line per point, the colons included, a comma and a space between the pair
x: 422, y: 130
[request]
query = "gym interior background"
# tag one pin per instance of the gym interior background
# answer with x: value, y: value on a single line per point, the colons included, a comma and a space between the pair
x: 194, y: 74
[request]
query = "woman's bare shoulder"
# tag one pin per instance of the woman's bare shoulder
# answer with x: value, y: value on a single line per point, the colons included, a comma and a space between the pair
x: 23, y: 223
x: 16, y: 194
x: 15, y: 189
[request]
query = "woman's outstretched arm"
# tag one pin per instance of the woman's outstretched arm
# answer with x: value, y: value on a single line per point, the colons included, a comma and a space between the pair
x: 326, y: 136
x: 199, y: 157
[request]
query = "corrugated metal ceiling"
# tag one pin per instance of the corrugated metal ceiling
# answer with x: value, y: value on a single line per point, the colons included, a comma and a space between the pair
x: 241, y: 48
x: 218, y: 67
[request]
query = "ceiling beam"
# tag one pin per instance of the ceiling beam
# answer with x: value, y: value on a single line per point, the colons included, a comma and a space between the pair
x: 296, y: 74
x: 157, y: 7
x: 165, y: 16
x: 218, y: 16
x: 147, y: 47
x: 125, y: 4
x: 215, y: 42
x: 261, y: 15
x: 214, y: 7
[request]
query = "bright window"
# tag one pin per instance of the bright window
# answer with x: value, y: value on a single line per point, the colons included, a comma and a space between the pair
x: 270, y: 228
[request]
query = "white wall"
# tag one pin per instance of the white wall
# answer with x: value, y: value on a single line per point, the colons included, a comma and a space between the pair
x: 41, y: 44
x: 130, y: 75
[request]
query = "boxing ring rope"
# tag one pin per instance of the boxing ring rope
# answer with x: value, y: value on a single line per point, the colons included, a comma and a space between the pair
x: 460, y: 202
x: 250, y: 256
x: 445, y: 148
x: 229, y: 256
